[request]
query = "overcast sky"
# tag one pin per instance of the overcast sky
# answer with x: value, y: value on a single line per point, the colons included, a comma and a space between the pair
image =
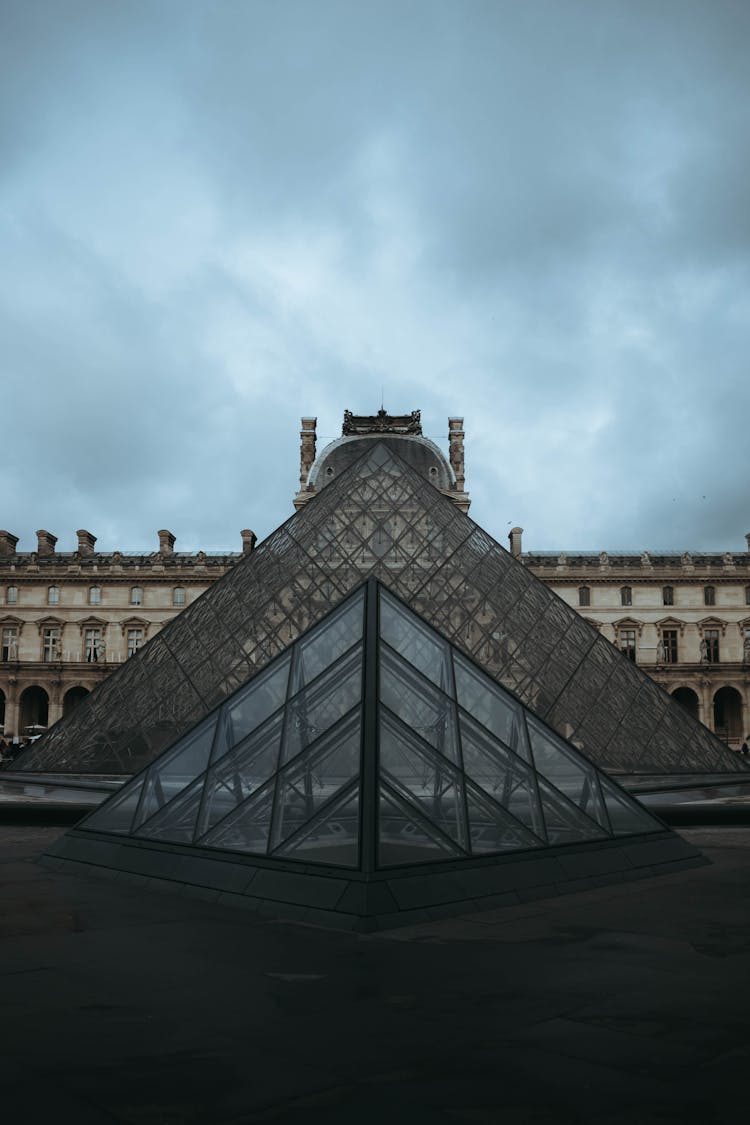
x: 218, y: 216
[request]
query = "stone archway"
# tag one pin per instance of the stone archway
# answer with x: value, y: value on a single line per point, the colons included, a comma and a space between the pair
x: 728, y: 715
x: 33, y: 708
x: 73, y: 696
x: 688, y: 699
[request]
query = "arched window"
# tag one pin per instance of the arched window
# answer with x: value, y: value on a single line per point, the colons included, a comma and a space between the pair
x: 11, y: 595
x: 667, y: 595
x: 626, y: 595
x: 709, y: 595
x: 95, y: 595
x: 136, y: 595
x: 178, y: 596
x: 53, y: 595
x: 584, y: 595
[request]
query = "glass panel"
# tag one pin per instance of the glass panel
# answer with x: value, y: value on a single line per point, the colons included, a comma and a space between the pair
x: 416, y: 642
x: 492, y: 830
x: 237, y: 775
x: 507, y: 779
x: 420, y: 776
x: 310, y: 714
x: 418, y: 703
x: 332, y: 838
x: 175, y: 823
x: 328, y: 642
x: 247, y: 829
x: 404, y: 837
x: 172, y: 773
x: 252, y: 705
x: 572, y: 775
x: 490, y: 706
x: 312, y: 780
x: 625, y: 815
x: 116, y: 814
x: 565, y: 823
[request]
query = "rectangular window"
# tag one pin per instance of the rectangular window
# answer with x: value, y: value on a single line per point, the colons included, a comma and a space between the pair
x: 747, y: 595
x: 9, y: 650
x: 584, y: 595
x: 93, y: 646
x: 95, y: 595
x: 627, y: 643
x: 53, y: 595
x: 709, y: 595
x: 626, y: 595
x: 135, y: 640
x: 178, y: 596
x: 11, y: 595
x: 50, y: 645
x: 136, y: 596
x: 669, y: 646
x: 668, y: 595
x: 711, y: 637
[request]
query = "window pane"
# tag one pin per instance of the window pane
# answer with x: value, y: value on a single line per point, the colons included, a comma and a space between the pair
x: 247, y: 829
x: 318, y: 707
x: 53, y: 595
x: 572, y: 776
x: 175, y: 822
x: 490, y: 706
x: 12, y: 595
x: 333, y: 837
x: 116, y: 814
x: 709, y: 595
x: 625, y: 816
x: 178, y: 596
x: 10, y: 644
x: 415, y: 642
x: 328, y: 642
x: 504, y: 777
x: 565, y: 823
x: 95, y: 595
x: 626, y: 595
x: 418, y: 703
x: 136, y: 595
x: 668, y: 595
x: 174, y: 771
x: 494, y: 831
x: 405, y: 837
x: 253, y: 704
x: 584, y: 595
x: 238, y: 775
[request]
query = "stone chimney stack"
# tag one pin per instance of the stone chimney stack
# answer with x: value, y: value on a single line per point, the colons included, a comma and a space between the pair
x: 308, y: 439
x: 747, y: 540
x: 249, y: 539
x: 515, y: 541
x: 8, y: 543
x: 46, y: 542
x: 166, y: 542
x: 456, y: 451
x: 86, y: 542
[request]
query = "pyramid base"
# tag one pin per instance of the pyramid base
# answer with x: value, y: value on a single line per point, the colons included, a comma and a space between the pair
x: 350, y: 900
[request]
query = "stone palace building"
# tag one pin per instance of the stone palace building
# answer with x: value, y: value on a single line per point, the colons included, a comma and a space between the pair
x: 69, y: 618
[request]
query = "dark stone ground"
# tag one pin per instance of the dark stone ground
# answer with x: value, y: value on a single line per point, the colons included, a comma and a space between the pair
x: 624, y: 1004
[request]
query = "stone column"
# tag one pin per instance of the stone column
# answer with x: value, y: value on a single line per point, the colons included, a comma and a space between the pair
x: 11, y: 707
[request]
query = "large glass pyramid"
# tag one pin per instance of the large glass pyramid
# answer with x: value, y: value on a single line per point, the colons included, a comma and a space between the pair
x: 380, y: 518
x: 372, y: 743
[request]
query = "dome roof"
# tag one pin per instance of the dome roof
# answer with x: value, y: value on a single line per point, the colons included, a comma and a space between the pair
x: 419, y: 452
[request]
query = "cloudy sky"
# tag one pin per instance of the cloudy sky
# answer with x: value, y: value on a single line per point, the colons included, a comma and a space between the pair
x: 216, y: 216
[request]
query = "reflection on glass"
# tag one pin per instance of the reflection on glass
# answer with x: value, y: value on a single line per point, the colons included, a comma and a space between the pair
x: 175, y: 770
x: 236, y: 776
x: 175, y: 823
x: 405, y: 837
x: 310, y: 714
x: 501, y: 774
x: 418, y: 703
x: 490, y: 705
x: 572, y: 775
x: 494, y: 831
x: 328, y: 642
x: 247, y: 828
x: 565, y: 823
x: 625, y: 815
x: 116, y: 814
x: 416, y: 642
x: 332, y: 837
x: 252, y: 705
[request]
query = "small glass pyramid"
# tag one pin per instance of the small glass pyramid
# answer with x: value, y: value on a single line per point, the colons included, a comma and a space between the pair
x: 371, y: 743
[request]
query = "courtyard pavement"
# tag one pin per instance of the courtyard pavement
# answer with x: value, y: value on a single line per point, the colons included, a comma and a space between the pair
x: 124, y: 1006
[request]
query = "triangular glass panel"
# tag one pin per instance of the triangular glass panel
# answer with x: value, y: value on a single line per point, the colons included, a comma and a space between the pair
x: 237, y: 775
x: 247, y: 828
x: 316, y: 708
x: 422, y: 777
x: 176, y: 769
x: 326, y: 643
x: 116, y: 814
x: 506, y: 778
x: 490, y: 705
x: 571, y: 774
x: 175, y: 822
x: 252, y: 705
x: 416, y: 643
x: 404, y: 837
x: 313, y: 778
x: 418, y: 703
x: 564, y: 821
x: 493, y: 829
x: 332, y: 836
x: 625, y: 816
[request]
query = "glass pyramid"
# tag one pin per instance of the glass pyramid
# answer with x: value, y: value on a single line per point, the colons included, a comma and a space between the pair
x: 380, y: 519
x: 371, y: 743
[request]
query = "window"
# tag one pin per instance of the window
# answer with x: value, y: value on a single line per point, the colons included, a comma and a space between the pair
x: 53, y: 595
x: 9, y: 649
x: 669, y: 646
x: 627, y: 643
x: 93, y: 646
x: 136, y: 595
x: 178, y: 595
x: 584, y: 595
x: 11, y: 595
x: 95, y: 595
x: 135, y: 640
x: 747, y: 594
x: 626, y: 595
x: 710, y: 646
x: 709, y: 595
x: 667, y: 595
x: 50, y: 644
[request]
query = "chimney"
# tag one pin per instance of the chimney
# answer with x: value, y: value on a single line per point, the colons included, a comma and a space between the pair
x: 8, y: 543
x: 515, y: 541
x: 456, y: 451
x: 166, y: 542
x: 46, y: 542
x: 249, y: 539
x: 306, y: 449
x: 86, y: 542
x: 747, y: 539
